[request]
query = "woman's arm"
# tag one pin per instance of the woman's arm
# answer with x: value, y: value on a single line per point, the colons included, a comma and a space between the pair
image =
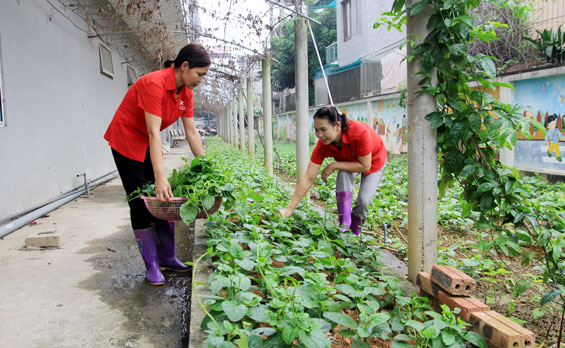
x: 163, y: 190
x: 192, y: 136
x: 362, y: 166
x: 302, y: 188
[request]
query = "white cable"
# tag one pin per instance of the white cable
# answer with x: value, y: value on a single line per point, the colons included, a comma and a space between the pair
x: 321, y: 65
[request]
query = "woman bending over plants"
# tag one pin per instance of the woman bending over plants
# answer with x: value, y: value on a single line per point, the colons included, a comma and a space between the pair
x: 154, y: 102
x: 357, y: 148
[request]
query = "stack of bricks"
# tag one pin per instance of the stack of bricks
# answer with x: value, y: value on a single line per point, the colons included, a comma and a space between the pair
x: 449, y: 286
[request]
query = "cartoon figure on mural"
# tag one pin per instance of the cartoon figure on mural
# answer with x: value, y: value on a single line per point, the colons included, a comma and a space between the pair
x: 403, y: 133
x: 553, y: 136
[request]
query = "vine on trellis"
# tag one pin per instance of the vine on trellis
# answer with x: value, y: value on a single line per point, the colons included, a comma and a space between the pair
x: 473, y: 128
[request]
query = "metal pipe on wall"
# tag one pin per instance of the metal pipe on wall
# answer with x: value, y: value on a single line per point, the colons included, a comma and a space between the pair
x: 24, y: 220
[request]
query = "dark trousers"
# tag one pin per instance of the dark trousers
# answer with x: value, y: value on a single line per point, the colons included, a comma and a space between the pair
x: 135, y: 174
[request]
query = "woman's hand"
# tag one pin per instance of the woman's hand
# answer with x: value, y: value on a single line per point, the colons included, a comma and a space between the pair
x: 163, y: 190
x: 327, y: 172
x: 286, y: 212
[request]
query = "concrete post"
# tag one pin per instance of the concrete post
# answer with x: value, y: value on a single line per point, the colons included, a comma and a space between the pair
x: 267, y: 116
x: 422, y: 160
x: 234, y: 118
x: 301, y: 84
x: 230, y: 123
x: 241, y: 117
x: 250, y: 120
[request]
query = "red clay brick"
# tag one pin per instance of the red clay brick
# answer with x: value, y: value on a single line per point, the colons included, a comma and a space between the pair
x: 529, y: 336
x: 424, y: 282
x: 452, y: 280
x: 497, y: 333
x: 466, y: 304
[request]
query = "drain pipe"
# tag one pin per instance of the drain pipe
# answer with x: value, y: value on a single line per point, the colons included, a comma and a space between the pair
x: 24, y: 220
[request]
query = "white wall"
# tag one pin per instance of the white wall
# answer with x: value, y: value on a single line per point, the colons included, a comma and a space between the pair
x: 58, y: 105
x: 365, y: 40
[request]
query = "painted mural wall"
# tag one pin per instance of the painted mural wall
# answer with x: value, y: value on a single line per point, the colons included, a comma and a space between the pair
x: 543, y: 99
x: 388, y: 119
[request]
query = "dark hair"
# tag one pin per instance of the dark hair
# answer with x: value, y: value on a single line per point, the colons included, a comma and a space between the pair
x: 331, y: 114
x: 194, y: 54
x: 550, y: 119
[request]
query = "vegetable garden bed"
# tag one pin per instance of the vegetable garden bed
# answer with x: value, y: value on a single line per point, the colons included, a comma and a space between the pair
x: 299, y: 282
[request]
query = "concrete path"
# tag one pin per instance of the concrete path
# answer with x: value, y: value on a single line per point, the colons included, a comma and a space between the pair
x: 92, y: 291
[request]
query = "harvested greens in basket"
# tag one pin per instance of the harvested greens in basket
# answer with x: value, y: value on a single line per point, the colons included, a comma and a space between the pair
x: 200, y: 182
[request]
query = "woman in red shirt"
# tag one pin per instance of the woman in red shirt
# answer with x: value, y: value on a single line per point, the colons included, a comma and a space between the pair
x: 154, y: 102
x: 357, y: 148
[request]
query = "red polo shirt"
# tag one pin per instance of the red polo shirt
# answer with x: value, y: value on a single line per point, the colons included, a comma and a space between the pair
x: 359, y: 140
x: 154, y: 93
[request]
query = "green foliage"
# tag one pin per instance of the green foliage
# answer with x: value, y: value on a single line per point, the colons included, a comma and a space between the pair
x: 550, y: 45
x: 473, y: 128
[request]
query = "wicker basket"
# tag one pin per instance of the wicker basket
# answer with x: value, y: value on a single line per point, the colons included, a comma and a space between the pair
x: 171, y: 210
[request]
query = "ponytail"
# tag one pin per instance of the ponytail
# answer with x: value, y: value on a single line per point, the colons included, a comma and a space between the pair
x: 194, y: 54
x: 333, y: 116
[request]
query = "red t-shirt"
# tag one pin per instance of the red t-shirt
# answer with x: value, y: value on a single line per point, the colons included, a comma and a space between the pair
x: 154, y: 93
x: 359, y: 140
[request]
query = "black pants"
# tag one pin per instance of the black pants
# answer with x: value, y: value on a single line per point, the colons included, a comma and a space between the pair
x: 135, y: 174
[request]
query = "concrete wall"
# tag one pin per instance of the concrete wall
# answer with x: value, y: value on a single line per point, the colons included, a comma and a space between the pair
x: 366, y: 42
x: 58, y: 104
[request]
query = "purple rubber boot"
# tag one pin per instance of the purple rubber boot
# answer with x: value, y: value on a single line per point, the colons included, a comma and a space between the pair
x: 344, y: 202
x: 168, y: 260
x: 356, y: 224
x: 146, y: 243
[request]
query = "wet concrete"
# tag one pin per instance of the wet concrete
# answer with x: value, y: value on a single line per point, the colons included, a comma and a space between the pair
x: 92, y: 291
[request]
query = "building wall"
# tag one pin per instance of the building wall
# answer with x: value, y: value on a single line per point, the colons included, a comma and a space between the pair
x: 58, y: 104
x: 366, y: 42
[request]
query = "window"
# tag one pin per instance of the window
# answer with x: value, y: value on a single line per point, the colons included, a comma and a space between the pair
x: 2, y: 100
x: 106, y: 65
x: 132, y: 76
x: 346, y: 7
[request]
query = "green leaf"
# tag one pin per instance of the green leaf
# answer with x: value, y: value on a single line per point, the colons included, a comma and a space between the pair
x: 306, y: 339
x: 475, y: 122
x: 289, y: 333
x: 347, y: 333
x: 401, y: 344
x: 234, y: 311
x: 417, y: 7
x: 247, y: 265
x: 476, y: 339
x: 549, y: 296
x: 431, y: 332
x: 342, y: 319
x: 487, y: 64
x: 208, y: 202
x: 448, y: 336
x: 188, y: 212
x: 254, y: 341
x: 255, y: 196
x: 259, y: 314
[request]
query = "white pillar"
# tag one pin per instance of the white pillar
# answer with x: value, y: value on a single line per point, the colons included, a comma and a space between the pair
x: 241, y: 116
x: 267, y: 116
x: 301, y: 86
x: 422, y: 160
x: 250, y: 121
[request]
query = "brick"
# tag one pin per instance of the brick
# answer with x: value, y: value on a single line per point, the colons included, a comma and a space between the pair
x: 497, y: 333
x: 529, y: 336
x: 467, y: 305
x: 453, y: 281
x: 424, y: 282
x: 44, y: 239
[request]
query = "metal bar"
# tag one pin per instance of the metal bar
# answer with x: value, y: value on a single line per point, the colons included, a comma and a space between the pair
x: 294, y: 11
